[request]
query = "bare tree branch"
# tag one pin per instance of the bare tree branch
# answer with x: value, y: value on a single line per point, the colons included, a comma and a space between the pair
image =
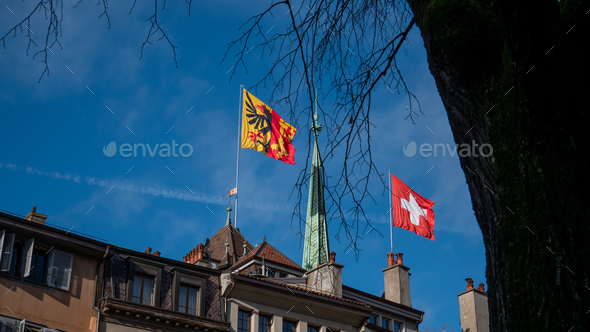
x: 154, y: 28
x: 53, y: 12
x: 328, y: 47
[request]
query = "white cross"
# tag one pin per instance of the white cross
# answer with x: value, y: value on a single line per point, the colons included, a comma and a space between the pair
x: 415, y: 210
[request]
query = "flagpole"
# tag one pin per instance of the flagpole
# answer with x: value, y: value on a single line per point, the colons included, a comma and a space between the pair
x: 238, y: 153
x: 390, y: 213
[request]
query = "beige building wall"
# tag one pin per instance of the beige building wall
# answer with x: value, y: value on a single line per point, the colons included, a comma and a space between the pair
x: 279, y: 314
x: 69, y: 311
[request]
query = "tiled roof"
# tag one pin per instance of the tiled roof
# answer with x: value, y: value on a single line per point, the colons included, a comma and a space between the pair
x: 302, y: 289
x: 216, y: 244
x: 270, y: 254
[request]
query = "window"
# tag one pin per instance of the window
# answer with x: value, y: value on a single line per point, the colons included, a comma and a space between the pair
x: 6, y: 250
x: 373, y: 319
x: 8, y: 324
x: 38, y: 265
x: 289, y: 326
x: 144, y: 284
x: 243, y: 321
x: 385, y: 323
x: 313, y: 328
x: 52, y: 267
x: 11, y: 260
x: 188, y: 292
x: 143, y: 289
x: 264, y: 323
x: 188, y: 296
x: 17, y: 259
x: 59, y: 269
x: 396, y: 327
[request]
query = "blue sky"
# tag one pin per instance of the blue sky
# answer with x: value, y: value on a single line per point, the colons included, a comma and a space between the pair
x: 52, y: 136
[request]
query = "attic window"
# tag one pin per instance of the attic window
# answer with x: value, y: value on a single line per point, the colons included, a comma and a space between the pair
x: 188, y: 293
x: 143, y: 285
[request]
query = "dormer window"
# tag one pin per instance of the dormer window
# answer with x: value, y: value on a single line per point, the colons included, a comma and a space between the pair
x: 143, y: 289
x: 144, y: 283
x: 188, y: 292
x: 188, y: 299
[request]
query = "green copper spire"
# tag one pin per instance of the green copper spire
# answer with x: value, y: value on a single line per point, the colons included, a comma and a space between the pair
x: 316, y: 248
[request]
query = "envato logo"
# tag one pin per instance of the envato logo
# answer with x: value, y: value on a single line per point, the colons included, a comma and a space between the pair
x: 465, y: 150
x: 164, y: 150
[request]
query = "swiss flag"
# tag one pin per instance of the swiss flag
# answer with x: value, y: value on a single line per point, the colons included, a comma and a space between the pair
x: 410, y: 210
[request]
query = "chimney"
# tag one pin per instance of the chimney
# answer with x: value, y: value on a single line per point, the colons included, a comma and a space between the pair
x: 196, y: 256
x: 327, y: 277
x: 200, y: 251
x: 397, y: 281
x: 481, y: 287
x: 473, y: 305
x: 390, y: 259
x: 400, y: 260
x: 36, y: 217
x: 157, y: 253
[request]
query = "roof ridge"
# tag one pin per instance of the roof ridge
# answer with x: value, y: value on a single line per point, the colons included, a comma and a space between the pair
x: 259, y: 248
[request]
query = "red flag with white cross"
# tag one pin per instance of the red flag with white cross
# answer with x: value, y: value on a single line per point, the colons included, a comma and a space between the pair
x: 410, y: 210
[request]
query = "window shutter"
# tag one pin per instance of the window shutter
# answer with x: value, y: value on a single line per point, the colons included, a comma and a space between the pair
x: 2, y: 233
x: 8, y: 243
x: 59, y: 271
x: 48, y: 330
x: 21, y: 326
x: 27, y: 255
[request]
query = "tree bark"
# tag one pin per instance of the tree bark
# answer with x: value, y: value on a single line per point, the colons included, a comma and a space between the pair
x: 515, y: 75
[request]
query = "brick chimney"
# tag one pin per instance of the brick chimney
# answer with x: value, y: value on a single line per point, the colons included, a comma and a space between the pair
x: 327, y: 277
x: 200, y: 251
x: 196, y: 256
x: 397, y: 281
x: 36, y: 217
x: 473, y: 305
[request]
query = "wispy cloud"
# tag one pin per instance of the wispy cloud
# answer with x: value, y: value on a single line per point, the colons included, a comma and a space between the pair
x: 55, y: 175
x: 117, y: 185
x: 126, y: 186
x: 9, y: 166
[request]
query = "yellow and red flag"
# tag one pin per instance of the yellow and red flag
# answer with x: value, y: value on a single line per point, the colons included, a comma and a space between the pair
x: 265, y: 131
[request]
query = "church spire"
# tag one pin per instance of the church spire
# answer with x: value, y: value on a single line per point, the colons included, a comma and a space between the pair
x: 316, y: 248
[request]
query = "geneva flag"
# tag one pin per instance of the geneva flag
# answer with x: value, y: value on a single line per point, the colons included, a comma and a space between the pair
x: 265, y: 131
x: 410, y: 210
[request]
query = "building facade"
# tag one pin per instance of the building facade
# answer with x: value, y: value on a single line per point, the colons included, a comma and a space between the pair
x: 48, y: 276
x: 144, y: 291
x: 56, y: 280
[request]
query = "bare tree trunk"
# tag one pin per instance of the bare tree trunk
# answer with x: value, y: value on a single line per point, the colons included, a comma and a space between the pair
x: 512, y: 75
